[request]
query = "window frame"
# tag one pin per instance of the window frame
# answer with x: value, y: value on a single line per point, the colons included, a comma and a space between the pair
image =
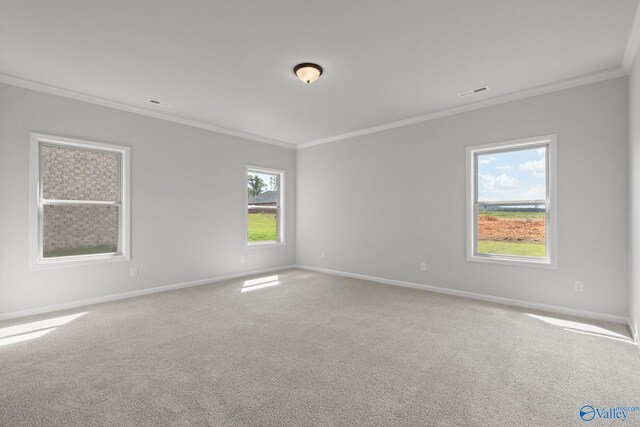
x: 37, y: 203
x: 551, y: 205
x: 281, y: 211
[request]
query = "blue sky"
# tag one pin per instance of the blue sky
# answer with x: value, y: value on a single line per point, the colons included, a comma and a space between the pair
x: 514, y: 175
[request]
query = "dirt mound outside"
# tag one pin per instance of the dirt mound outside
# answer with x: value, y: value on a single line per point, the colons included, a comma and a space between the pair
x: 511, y: 230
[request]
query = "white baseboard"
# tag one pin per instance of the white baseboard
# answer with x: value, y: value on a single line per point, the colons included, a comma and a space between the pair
x: 482, y: 297
x: 131, y: 294
x: 634, y: 334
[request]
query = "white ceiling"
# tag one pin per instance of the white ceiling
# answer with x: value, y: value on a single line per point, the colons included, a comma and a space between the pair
x: 229, y: 63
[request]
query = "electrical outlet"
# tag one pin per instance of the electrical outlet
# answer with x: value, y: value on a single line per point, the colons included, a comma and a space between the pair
x: 578, y: 285
x: 423, y: 266
x: 133, y: 272
x: 242, y: 259
x: 322, y: 254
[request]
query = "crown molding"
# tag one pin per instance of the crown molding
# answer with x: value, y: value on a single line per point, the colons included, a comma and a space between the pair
x: 567, y: 84
x: 633, y: 43
x: 630, y: 54
x: 137, y: 110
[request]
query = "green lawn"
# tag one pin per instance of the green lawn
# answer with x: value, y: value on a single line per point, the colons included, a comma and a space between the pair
x: 511, y: 214
x: 511, y: 248
x: 100, y: 249
x: 262, y: 227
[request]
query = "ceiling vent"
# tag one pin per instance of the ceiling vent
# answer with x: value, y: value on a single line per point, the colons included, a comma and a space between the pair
x: 159, y: 103
x: 473, y: 91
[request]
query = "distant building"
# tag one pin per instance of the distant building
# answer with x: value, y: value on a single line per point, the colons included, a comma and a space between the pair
x: 268, y: 198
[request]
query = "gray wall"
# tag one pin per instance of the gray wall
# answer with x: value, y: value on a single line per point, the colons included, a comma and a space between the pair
x: 382, y: 203
x: 188, y: 200
x: 634, y: 197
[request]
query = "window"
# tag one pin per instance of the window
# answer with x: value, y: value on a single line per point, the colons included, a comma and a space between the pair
x: 80, y: 204
x: 265, y: 216
x: 511, y: 206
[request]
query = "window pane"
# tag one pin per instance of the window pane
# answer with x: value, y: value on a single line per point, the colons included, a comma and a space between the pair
x: 512, y: 176
x: 512, y: 230
x: 79, y: 230
x: 263, y: 210
x: 76, y: 174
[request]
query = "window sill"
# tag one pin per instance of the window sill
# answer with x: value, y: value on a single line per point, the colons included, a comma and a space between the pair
x: 74, y: 261
x: 251, y: 245
x: 514, y: 261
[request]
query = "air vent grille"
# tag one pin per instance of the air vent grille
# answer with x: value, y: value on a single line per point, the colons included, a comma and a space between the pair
x: 474, y: 91
x: 159, y: 103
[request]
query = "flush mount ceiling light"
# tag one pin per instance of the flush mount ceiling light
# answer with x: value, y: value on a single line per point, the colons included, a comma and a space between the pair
x: 308, y: 72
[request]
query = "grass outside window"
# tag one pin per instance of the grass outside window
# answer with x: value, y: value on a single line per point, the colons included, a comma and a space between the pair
x: 262, y: 227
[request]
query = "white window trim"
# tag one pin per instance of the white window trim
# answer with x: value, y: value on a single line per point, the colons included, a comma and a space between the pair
x: 37, y: 261
x: 281, y: 207
x: 551, y: 207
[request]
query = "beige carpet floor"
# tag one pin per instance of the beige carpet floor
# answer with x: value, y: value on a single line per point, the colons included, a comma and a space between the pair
x: 305, y: 348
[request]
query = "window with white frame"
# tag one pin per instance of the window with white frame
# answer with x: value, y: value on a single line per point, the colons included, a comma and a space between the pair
x: 81, y: 210
x: 265, y: 214
x: 511, y: 202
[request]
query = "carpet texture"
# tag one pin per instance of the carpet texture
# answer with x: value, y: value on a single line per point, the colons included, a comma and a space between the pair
x: 312, y: 349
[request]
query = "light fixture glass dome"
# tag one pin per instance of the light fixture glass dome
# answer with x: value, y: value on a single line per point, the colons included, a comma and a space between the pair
x: 308, y: 72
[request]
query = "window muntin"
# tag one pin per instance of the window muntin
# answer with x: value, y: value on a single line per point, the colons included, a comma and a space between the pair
x: 264, y: 206
x: 81, y: 200
x: 511, y: 202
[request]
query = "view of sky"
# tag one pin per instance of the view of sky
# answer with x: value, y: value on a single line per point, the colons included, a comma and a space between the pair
x: 515, y: 175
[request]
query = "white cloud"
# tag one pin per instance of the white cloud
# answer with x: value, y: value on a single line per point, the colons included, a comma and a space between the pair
x: 490, y: 183
x: 541, y: 151
x: 504, y: 168
x: 538, y: 174
x: 534, y: 165
x: 487, y: 161
x: 536, y: 192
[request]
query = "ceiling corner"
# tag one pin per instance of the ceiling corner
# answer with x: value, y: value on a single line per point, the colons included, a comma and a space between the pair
x: 633, y: 43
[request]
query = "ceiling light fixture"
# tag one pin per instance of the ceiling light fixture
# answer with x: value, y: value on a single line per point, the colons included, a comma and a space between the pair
x: 307, y: 72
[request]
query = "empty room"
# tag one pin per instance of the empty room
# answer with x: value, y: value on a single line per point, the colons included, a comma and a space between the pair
x: 297, y: 213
